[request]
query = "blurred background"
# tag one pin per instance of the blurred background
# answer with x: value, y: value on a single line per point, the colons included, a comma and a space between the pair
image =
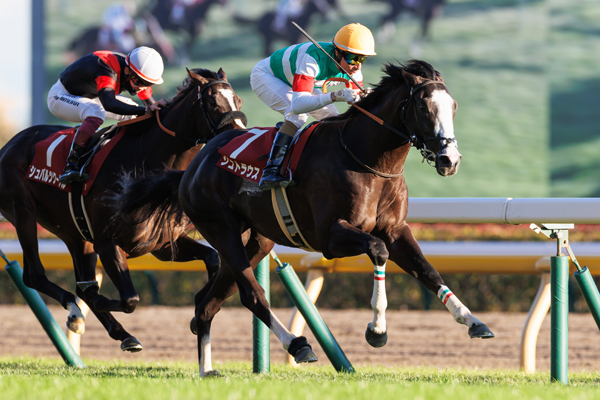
x: 525, y: 73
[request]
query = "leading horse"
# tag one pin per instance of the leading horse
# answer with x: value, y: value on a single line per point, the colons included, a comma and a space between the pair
x: 351, y: 198
x: 203, y: 106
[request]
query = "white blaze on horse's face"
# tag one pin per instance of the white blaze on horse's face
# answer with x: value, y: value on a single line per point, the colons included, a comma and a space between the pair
x: 444, y: 128
x: 230, y: 96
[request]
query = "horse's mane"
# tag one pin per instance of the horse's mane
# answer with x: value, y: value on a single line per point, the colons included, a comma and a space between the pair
x: 187, y: 84
x: 391, y: 81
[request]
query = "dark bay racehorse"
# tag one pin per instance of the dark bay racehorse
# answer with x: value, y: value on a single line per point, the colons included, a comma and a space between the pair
x: 350, y: 199
x: 204, y: 106
x: 425, y: 10
x: 264, y: 24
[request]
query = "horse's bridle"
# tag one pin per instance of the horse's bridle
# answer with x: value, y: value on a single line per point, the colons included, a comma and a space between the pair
x: 227, y: 117
x: 421, y: 145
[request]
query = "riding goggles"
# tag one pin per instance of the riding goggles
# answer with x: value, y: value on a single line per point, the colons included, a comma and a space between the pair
x: 139, y: 81
x: 354, y: 59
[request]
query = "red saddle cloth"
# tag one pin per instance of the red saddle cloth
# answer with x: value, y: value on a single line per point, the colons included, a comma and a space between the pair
x: 51, y: 158
x: 247, y: 154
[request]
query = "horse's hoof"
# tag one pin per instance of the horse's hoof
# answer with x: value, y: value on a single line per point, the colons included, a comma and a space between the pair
x: 193, y: 326
x: 212, y: 374
x: 131, y: 345
x: 480, y: 331
x: 76, y: 325
x: 305, y: 355
x: 375, y: 339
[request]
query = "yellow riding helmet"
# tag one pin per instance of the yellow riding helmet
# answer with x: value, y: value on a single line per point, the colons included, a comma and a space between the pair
x: 356, y: 39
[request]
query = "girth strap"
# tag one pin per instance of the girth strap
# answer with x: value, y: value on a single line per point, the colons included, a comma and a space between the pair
x: 286, y: 220
x: 78, y: 213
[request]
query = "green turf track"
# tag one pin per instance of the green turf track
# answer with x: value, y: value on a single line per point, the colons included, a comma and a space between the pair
x: 524, y: 72
x: 50, y: 379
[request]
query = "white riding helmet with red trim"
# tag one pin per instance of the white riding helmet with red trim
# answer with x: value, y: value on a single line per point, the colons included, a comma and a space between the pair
x: 147, y: 64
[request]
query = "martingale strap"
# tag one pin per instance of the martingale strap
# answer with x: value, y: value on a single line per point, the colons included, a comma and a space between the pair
x: 286, y: 220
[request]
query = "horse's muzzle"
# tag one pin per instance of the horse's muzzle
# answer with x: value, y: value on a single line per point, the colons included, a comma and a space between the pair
x: 447, y: 162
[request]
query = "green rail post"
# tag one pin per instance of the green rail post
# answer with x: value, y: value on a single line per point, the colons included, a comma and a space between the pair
x: 55, y: 333
x: 261, y: 351
x: 590, y: 292
x: 316, y: 324
x: 559, y: 318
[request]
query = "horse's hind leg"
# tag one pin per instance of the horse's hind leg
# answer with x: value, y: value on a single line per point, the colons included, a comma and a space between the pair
x: 34, y: 275
x: 187, y: 249
x: 231, y: 248
x: 208, y: 303
x: 345, y: 240
x: 405, y: 251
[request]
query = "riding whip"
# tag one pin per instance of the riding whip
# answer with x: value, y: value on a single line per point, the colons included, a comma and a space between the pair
x: 327, y: 54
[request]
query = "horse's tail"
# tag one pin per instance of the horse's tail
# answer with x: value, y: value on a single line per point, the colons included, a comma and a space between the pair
x: 152, y: 200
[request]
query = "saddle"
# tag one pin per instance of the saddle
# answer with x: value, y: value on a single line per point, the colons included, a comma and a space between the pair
x: 51, y: 155
x: 246, y: 155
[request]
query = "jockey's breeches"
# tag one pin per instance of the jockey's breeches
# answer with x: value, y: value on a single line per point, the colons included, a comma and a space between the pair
x: 278, y: 95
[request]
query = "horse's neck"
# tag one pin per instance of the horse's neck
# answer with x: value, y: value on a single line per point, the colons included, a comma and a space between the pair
x: 375, y: 144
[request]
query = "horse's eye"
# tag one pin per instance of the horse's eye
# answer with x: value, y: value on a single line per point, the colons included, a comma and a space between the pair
x: 423, y: 107
x: 212, y: 102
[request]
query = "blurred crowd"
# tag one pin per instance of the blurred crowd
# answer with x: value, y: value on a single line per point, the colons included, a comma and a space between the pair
x: 124, y: 26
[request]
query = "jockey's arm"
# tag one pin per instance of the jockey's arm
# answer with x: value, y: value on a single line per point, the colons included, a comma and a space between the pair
x: 303, y: 102
x: 110, y: 103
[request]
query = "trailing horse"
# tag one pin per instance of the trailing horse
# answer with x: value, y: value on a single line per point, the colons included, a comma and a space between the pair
x: 351, y: 198
x: 204, y: 106
x: 264, y: 24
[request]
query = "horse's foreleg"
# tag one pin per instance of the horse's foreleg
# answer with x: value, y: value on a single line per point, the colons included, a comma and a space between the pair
x: 405, y: 251
x: 114, y: 262
x: 345, y: 241
x: 85, y: 260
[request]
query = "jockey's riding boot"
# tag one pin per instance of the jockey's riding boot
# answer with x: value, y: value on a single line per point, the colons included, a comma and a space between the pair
x: 72, y: 170
x: 271, y: 176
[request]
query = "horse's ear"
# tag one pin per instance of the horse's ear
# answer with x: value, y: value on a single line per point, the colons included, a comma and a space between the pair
x: 412, y: 79
x: 222, y: 75
x: 198, y: 79
x: 438, y: 77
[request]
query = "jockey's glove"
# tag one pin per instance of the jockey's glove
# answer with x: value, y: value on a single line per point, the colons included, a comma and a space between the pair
x: 348, y: 95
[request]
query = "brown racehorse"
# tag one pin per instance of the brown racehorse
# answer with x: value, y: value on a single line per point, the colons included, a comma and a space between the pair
x: 350, y: 199
x: 203, y: 106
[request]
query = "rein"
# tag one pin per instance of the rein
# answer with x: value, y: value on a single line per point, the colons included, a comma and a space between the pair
x: 227, y: 118
x: 145, y: 117
x: 412, y: 138
x: 362, y: 164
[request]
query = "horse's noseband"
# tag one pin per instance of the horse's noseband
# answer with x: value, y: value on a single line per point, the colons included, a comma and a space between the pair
x: 225, y: 119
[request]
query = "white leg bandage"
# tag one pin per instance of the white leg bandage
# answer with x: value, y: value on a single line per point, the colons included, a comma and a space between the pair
x: 74, y: 311
x: 378, y: 301
x: 284, y: 336
x: 205, y: 361
x: 461, y: 314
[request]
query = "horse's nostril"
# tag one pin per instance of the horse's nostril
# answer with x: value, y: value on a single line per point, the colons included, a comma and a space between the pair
x: 444, y: 161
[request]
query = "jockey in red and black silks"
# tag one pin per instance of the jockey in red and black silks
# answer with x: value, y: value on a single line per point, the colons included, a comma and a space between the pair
x: 89, y: 90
